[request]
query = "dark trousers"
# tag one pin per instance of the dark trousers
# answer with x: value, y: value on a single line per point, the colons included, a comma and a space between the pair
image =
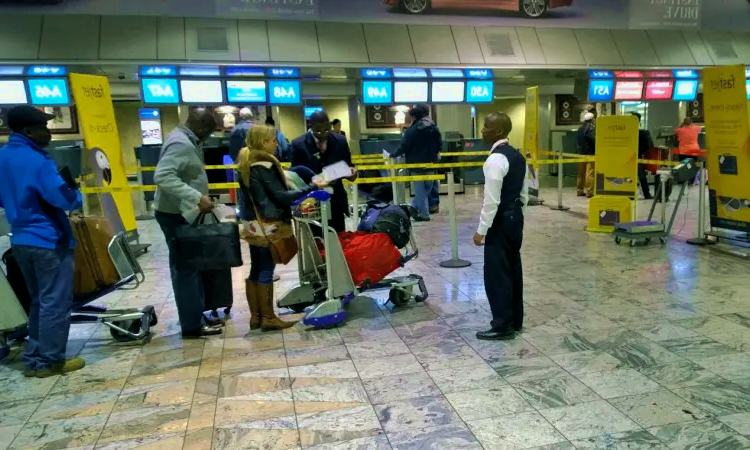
x: 262, y: 265
x: 187, y: 284
x: 643, y: 180
x: 338, y: 213
x: 503, y: 277
x: 49, y: 277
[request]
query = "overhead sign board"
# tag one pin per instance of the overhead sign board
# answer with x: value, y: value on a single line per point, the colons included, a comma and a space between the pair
x: 480, y: 91
x: 480, y: 74
x: 377, y: 92
x: 201, y: 91
x: 601, y: 74
x: 46, y: 71
x: 628, y: 90
x: 200, y: 71
x: 160, y: 91
x: 49, y: 92
x: 282, y: 72
x: 601, y: 90
x: 446, y: 73
x: 158, y: 71
x: 246, y: 92
x: 659, y: 89
x: 376, y: 73
x: 685, y: 90
x: 410, y: 91
x: 285, y: 92
x: 448, y: 91
x: 236, y: 71
x: 402, y: 72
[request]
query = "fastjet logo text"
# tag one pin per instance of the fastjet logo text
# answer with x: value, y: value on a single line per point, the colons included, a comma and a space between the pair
x: 722, y: 83
x: 93, y: 91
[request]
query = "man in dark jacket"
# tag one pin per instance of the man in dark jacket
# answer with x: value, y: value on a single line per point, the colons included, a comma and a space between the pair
x: 586, y: 143
x: 421, y: 144
x: 35, y: 198
x: 319, y: 148
x: 645, y: 142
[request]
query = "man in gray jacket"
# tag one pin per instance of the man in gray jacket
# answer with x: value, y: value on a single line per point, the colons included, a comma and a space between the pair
x: 182, y: 186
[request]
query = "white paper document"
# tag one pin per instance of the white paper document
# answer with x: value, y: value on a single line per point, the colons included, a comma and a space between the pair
x: 336, y: 170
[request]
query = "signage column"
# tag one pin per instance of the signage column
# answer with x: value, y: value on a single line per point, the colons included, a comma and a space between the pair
x: 728, y: 154
x: 96, y: 115
x: 531, y: 137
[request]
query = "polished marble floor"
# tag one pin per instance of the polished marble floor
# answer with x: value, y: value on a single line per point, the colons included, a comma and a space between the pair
x: 623, y: 348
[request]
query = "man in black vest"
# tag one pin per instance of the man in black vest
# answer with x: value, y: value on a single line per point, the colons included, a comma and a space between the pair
x: 506, y: 192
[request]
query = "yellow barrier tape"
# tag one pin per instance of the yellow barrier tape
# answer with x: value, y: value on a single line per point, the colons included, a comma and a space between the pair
x: 285, y: 165
x: 658, y: 162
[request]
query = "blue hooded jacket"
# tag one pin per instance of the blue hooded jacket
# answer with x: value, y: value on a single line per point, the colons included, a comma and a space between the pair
x: 421, y: 142
x: 34, y: 196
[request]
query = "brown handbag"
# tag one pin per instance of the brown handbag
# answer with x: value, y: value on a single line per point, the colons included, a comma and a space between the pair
x: 281, y: 242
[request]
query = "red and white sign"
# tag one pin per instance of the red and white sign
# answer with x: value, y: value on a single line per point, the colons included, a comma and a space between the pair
x: 628, y: 74
x: 659, y: 74
x: 628, y: 90
x: 659, y: 90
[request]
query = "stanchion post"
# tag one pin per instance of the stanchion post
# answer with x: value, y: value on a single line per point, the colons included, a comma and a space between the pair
x: 701, y: 239
x: 454, y: 262
x: 355, y: 207
x: 560, y: 166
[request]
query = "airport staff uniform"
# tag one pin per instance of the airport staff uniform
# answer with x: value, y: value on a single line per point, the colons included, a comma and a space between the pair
x: 506, y: 193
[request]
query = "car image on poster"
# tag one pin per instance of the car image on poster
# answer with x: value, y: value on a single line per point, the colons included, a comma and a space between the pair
x: 530, y: 8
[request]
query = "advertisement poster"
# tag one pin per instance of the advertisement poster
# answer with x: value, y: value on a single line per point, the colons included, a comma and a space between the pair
x: 96, y: 116
x: 613, y: 14
x: 727, y: 133
x: 616, y: 164
x: 531, y: 136
x: 606, y: 211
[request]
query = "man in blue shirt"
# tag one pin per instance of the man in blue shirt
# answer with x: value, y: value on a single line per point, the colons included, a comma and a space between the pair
x: 35, y: 198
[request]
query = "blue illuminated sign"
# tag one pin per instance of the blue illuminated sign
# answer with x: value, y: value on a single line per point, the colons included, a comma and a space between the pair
x: 480, y: 91
x: 377, y: 92
x: 48, y: 91
x: 599, y: 74
x: 46, y: 71
x: 246, y: 91
x: 601, y: 90
x: 310, y: 110
x: 200, y: 71
x: 478, y: 73
x: 149, y: 113
x: 446, y: 73
x: 244, y: 71
x: 401, y: 72
x: 685, y: 73
x: 283, y: 72
x: 162, y: 91
x: 685, y: 90
x: 285, y: 92
x: 11, y: 71
x: 747, y: 88
x: 376, y: 73
x: 158, y: 71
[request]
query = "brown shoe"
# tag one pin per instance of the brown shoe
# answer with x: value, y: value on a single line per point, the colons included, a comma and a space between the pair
x: 269, y: 320
x: 251, y: 292
x: 435, y: 210
x: 70, y: 365
x: 581, y: 194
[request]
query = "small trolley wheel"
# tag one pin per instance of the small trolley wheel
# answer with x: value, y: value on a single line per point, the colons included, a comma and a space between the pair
x: 419, y: 298
x: 618, y: 240
x: 632, y: 242
x: 398, y: 297
x: 663, y: 240
x: 648, y: 240
x: 153, y: 320
x: 227, y: 311
x: 134, y: 326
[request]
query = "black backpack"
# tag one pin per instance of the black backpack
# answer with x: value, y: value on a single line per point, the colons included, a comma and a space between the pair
x: 392, y: 220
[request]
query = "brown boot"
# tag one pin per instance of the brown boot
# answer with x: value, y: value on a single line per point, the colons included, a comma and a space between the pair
x: 269, y: 321
x: 251, y: 292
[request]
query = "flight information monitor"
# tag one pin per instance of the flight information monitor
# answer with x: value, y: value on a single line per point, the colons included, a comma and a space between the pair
x: 659, y: 89
x: 628, y: 90
x: 601, y: 90
x: 246, y: 92
x: 12, y: 92
x: 201, y: 91
x: 410, y: 91
x: 285, y: 92
x: 480, y: 91
x: 685, y: 90
x: 49, y: 92
x: 377, y: 92
x: 448, y: 91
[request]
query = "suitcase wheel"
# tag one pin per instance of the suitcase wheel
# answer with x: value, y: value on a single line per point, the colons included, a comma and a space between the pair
x: 398, y: 297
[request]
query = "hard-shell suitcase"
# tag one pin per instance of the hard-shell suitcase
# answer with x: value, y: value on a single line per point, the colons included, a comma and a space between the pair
x: 94, y: 269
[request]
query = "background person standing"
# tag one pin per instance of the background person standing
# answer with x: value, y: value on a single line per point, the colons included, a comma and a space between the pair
x: 645, y: 143
x: 586, y: 143
x: 182, y: 184
x: 506, y: 193
x: 35, y: 198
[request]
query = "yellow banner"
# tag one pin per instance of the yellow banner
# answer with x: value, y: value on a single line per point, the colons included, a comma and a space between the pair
x: 531, y: 123
x: 616, y: 164
x: 96, y: 117
x: 728, y: 155
x: 606, y: 210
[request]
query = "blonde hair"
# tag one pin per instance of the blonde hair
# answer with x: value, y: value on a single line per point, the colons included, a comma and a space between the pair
x: 255, y: 151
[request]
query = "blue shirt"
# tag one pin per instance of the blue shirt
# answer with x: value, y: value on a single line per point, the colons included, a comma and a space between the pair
x: 34, y: 196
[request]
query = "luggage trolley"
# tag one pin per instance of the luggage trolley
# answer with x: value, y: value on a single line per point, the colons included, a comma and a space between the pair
x: 326, y: 285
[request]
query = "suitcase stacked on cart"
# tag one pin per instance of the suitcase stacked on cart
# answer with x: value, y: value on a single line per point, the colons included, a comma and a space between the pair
x: 94, y: 269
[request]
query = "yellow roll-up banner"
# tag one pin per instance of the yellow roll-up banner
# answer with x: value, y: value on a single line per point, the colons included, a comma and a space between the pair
x: 531, y: 137
x: 96, y: 116
x: 728, y: 150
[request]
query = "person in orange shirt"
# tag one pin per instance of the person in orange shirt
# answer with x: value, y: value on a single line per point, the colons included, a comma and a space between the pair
x: 687, y: 136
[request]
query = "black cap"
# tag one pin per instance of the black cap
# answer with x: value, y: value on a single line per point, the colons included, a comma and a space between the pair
x: 24, y: 116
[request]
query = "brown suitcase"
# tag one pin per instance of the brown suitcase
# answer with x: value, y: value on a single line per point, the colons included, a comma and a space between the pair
x: 94, y: 269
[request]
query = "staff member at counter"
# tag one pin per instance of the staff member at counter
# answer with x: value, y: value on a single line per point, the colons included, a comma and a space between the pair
x: 319, y: 148
x: 506, y: 193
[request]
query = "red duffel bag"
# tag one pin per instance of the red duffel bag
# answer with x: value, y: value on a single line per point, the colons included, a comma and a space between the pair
x: 370, y: 256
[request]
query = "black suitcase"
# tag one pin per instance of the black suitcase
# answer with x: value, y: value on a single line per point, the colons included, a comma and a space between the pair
x: 16, y: 280
x: 217, y: 290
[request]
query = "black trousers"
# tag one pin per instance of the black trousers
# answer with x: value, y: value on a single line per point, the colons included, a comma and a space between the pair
x: 643, y: 180
x: 503, y: 277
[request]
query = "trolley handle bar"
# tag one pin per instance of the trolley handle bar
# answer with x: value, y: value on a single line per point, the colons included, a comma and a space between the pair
x: 320, y: 195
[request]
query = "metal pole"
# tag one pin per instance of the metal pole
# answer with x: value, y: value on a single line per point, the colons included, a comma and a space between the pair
x: 355, y: 207
x: 559, y: 206
x: 663, y: 179
x: 454, y: 262
x: 701, y: 239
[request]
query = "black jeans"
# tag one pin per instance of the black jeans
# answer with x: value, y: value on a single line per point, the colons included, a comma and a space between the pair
x: 503, y: 277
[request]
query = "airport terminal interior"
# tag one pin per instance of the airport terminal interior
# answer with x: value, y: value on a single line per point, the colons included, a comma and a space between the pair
x: 638, y: 342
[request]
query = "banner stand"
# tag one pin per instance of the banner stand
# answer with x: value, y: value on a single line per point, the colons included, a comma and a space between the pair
x: 701, y: 239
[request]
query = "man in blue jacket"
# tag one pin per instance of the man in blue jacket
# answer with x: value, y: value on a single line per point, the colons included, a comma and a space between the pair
x: 421, y: 144
x: 35, y: 198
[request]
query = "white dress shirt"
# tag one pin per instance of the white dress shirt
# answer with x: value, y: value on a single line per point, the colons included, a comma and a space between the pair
x: 495, y: 169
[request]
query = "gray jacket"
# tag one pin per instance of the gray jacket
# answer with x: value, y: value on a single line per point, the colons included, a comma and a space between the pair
x: 180, y: 175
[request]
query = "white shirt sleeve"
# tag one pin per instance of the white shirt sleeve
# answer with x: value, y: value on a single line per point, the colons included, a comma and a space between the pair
x: 495, y: 169
x: 525, y: 190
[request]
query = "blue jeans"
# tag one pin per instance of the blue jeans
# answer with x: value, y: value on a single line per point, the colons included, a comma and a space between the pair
x: 434, y: 196
x: 187, y: 284
x: 262, y: 265
x: 49, y: 277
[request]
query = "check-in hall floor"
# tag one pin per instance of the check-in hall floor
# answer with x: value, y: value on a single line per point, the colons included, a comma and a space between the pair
x: 623, y: 348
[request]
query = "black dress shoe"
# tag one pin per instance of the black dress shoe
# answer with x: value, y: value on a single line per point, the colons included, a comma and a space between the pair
x: 201, y: 332
x: 517, y: 327
x: 501, y: 334
x: 214, y: 321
